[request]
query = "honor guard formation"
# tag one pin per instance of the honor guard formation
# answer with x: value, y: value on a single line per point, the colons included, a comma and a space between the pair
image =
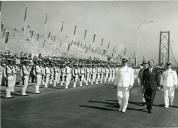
x: 74, y: 72
x: 55, y: 71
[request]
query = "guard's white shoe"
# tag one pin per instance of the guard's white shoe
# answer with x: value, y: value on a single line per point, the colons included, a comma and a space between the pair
x: 166, y: 106
x: 123, y: 111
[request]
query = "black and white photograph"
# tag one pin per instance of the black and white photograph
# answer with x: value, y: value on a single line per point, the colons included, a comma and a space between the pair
x: 89, y: 64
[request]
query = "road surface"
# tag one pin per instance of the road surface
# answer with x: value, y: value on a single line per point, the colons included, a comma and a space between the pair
x: 85, y: 107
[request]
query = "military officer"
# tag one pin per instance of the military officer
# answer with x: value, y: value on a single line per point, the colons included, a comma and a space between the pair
x: 81, y: 75
x: 56, y: 73
x: 97, y: 74
x: 14, y: 70
x: 87, y: 73
x: 75, y: 73
x: 25, y: 72
x: 63, y: 74
x: 106, y: 73
x: 124, y: 80
x: 68, y: 75
x: 169, y: 83
x: 93, y: 72
x: 38, y: 74
x: 47, y: 74
x: 8, y: 76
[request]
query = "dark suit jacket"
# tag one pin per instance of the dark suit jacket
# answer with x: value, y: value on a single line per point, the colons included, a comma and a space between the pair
x: 150, y: 79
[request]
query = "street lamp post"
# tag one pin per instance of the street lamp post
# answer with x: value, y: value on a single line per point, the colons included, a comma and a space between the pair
x: 137, y: 41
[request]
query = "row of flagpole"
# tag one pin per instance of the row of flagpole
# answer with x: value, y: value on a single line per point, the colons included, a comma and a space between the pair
x: 100, y: 51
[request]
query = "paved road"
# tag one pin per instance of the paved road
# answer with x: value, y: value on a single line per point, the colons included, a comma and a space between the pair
x: 86, y: 107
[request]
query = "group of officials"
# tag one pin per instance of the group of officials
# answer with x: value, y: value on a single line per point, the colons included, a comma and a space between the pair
x: 151, y: 79
x: 45, y: 71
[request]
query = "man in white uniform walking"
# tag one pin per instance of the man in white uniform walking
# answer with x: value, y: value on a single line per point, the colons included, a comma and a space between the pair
x: 124, y: 80
x: 169, y: 83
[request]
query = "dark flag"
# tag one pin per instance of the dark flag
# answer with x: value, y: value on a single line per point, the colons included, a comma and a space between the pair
x: 31, y: 34
x: 46, y: 18
x: 86, y: 51
x: 49, y: 35
x: 75, y: 28
x: 43, y: 44
x: 6, y: 37
x: 54, y: 38
x: 38, y: 36
x: 109, y: 44
x: 62, y: 27
x: 25, y: 16
x: 3, y: 33
x: 60, y: 44
x: 94, y: 36
x: 101, y: 41
x: 68, y: 47
x: 2, y: 28
x: 85, y: 34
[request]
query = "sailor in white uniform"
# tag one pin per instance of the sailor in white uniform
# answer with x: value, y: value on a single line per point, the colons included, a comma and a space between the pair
x: 124, y: 80
x: 169, y: 83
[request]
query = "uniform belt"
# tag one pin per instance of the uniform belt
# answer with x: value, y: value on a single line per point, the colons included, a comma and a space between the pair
x: 26, y: 75
x: 9, y: 74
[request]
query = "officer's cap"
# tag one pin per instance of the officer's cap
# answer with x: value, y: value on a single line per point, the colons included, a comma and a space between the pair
x: 168, y: 64
x: 124, y: 60
x: 144, y: 62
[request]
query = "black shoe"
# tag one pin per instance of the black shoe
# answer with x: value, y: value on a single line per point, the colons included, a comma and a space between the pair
x: 144, y: 103
x: 37, y: 93
x: 149, y: 111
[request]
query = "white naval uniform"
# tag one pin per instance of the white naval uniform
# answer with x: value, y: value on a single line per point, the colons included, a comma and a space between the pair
x: 124, y: 80
x: 14, y: 78
x: 58, y: 74
x: 101, y: 74
x: 63, y: 74
x: 38, y: 73
x: 110, y: 74
x: 82, y: 76
x: 93, y: 75
x: 68, y: 76
x: 25, y: 73
x: 75, y: 74
x: 87, y: 71
x: 169, y: 81
x: 55, y: 76
x: 97, y: 74
x: 47, y: 76
x: 51, y: 75
x: 8, y: 74
x: 106, y: 74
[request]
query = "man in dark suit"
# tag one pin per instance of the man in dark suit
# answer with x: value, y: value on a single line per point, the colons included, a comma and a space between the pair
x: 150, y: 81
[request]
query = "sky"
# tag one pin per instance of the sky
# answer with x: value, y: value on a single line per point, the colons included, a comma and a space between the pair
x: 116, y: 22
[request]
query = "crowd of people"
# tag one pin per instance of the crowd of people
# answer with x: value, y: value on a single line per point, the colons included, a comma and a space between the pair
x: 55, y: 71
x: 75, y: 72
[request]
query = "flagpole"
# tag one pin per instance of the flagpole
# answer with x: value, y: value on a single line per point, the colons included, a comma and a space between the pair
x: 46, y: 25
x: 25, y: 20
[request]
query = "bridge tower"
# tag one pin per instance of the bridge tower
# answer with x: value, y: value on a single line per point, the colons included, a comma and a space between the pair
x: 164, y: 47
